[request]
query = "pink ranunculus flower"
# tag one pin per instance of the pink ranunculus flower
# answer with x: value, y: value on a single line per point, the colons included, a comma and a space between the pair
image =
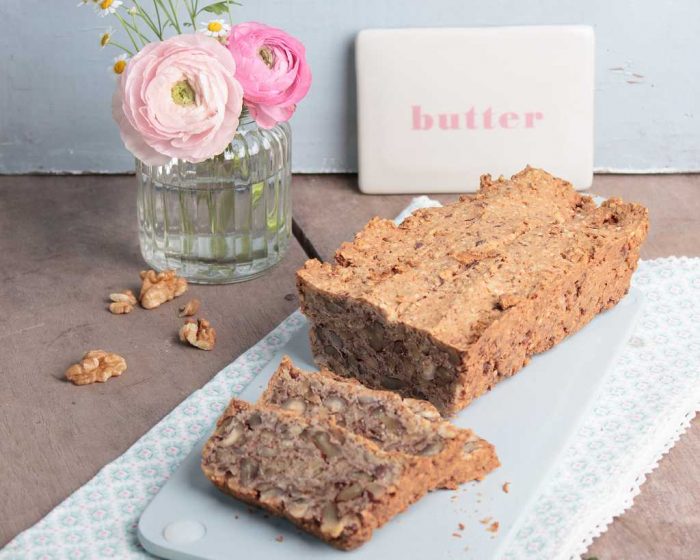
x: 271, y: 66
x: 178, y: 98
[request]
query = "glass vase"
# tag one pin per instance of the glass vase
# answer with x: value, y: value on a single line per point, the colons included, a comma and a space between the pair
x: 226, y: 219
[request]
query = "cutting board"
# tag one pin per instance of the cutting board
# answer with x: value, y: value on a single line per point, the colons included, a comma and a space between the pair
x: 528, y: 417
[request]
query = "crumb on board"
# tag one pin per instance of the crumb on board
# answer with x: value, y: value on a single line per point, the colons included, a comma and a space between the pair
x: 461, y: 526
x: 279, y: 538
x: 457, y: 535
x: 506, y: 487
x: 485, y: 520
x: 493, y: 528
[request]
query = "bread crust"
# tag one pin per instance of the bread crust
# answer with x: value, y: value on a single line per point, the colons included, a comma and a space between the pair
x: 457, y: 298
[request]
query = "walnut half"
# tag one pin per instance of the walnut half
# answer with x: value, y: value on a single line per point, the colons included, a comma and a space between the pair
x: 159, y: 287
x: 199, y: 334
x: 96, y: 366
x: 122, y: 302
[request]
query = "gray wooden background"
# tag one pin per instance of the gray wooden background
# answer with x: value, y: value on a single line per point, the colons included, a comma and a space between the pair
x: 55, y: 87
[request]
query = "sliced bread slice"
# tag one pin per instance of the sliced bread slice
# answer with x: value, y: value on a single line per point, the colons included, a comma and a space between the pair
x: 327, y: 480
x: 408, y: 426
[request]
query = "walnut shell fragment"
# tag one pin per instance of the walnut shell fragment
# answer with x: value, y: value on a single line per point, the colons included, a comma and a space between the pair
x: 159, y: 287
x: 190, y: 308
x: 199, y: 334
x: 96, y: 366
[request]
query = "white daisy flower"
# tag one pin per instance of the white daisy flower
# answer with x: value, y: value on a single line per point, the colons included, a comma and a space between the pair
x: 106, y: 37
x: 119, y: 64
x: 106, y: 7
x: 215, y: 28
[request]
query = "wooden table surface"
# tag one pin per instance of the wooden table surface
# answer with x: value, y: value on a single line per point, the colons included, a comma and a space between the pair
x: 67, y: 242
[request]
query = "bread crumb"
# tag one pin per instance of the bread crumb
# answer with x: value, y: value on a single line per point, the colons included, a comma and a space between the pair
x: 506, y: 487
x: 457, y: 535
x: 485, y: 520
x: 493, y: 528
x: 461, y: 526
x: 279, y: 538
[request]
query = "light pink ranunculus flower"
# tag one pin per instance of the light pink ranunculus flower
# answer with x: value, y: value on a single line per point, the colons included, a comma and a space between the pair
x: 178, y: 98
x: 271, y: 66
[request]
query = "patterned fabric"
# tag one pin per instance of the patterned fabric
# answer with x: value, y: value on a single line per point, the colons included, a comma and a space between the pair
x: 645, y: 403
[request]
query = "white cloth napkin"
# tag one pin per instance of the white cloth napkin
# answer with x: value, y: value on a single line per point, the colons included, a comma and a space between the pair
x: 645, y: 403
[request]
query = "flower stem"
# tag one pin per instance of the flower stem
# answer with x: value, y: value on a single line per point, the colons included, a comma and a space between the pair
x: 126, y: 28
x: 149, y: 21
x: 144, y: 40
x: 160, y: 25
x: 174, y: 20
x: 134, y: 27
x: 189, y: 6
x: 187, y: 226
x: 122, y: 47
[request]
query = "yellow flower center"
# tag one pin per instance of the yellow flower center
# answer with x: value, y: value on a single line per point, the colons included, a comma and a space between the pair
x: 106, y: 4
x: 215, y: 26
x: 104, y: 40
x: 183, y: 94
x: 119, y: 66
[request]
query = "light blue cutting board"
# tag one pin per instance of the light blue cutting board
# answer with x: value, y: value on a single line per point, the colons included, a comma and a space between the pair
x: 529, y: 418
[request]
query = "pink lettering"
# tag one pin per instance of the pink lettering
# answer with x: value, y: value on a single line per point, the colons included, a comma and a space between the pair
x: 453, y: 123
x: 488, y: 119
x: 530, y: 119
x: 505, y: 120
x: 421, y: 121
x: 471, y: 115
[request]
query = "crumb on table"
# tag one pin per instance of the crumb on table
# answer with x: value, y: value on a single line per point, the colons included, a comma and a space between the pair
x: 506, y: 487
x: 279, y: 538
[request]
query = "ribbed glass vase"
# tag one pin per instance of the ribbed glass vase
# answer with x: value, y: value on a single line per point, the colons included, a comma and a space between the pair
x: 224, y: 220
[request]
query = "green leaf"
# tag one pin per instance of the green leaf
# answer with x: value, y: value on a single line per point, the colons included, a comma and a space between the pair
x: 218, y: 8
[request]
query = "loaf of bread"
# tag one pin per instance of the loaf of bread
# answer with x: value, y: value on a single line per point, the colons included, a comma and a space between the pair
x: 458, y: 298
x: 451, y: 456
x: 327, y: 480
